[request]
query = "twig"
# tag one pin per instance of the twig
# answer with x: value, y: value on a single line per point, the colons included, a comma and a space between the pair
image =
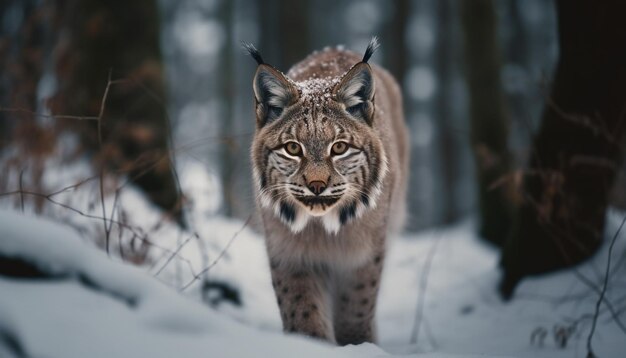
x: 605, y: 284
x: 115, y: 202
x: 217, y: 259
x: 607, y: 302
x: 419, y: 311
x: 21, y: 188
x: 597, y: 127
x: 104, y: 211
x: 175, y: 253
x: 120, y: 231
x: 53, y: 116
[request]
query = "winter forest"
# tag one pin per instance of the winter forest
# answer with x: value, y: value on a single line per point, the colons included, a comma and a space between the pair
x: 129, y: 224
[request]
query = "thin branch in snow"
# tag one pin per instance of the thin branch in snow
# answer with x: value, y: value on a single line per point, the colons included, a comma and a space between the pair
x: 421, y: 296
x: 614, y: 313
x: 175, y: 253
x: 217, y: 259
x: 605, y: 284
x: 22, y: 188
x: 100, y: 116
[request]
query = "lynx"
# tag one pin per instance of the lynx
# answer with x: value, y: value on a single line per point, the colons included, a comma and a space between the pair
x: 330, y: 161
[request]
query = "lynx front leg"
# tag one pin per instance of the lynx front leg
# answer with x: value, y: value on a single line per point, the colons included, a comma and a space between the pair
x: 303, y: 302
x: 355, y: 304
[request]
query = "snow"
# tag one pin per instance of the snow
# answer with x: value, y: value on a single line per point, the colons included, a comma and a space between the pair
x: 122, y: 312
x: 98, y: 306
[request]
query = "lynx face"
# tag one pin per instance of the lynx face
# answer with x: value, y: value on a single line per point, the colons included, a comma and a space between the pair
x: 315, y: 155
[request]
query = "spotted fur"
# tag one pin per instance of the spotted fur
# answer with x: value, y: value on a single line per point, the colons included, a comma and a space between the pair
x: 331, y: 237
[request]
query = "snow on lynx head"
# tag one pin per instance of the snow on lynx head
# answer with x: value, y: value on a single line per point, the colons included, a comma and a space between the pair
x: 315, y: 154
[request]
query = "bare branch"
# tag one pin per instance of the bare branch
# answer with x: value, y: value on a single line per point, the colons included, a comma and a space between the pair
x: 21, y: 188
x: 51, y: 116
x: 421, y: 296
x: 100, y: 116
x: 217, y: 259
x: 603, y: 292
x: 175, y: 253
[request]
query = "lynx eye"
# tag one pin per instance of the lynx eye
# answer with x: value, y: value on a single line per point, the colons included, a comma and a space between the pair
x: 339, y: 148
x: 293, y: 148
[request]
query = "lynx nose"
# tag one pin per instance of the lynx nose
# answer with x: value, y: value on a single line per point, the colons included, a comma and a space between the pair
x: 317, y: 187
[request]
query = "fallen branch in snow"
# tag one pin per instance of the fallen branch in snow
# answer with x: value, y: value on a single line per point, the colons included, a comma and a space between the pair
x: 419, y: 314
x: 609, y: 305
x: 605, y: 284
x: 217, y: 259
x: 21, y: 189
x: 107, y: 232
x: 175, y: 253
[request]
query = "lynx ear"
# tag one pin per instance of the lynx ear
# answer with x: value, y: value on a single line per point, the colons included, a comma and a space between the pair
x: 273, y: 93
x: 356, y: 92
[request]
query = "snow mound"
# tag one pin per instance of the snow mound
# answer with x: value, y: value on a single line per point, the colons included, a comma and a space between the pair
x: 91, y: 306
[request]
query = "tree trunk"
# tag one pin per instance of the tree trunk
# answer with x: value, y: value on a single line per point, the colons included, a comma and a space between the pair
x: 396, y: 54
x: 22, y: 51
x: 230, y: 149
x: 285, y: 32
x: 489, y: 121
x: 294, y: 32
x: 576, y: 151
x: 449, y: 160
x: 120, y: 39
x: 618, y: 193
x: 29, y: 140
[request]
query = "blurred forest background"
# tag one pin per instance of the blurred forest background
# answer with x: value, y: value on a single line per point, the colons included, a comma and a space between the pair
x: 141, y: 88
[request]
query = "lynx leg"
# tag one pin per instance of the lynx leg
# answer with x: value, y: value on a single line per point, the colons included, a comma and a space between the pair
x: 355, y: 304
x: 303, y: 302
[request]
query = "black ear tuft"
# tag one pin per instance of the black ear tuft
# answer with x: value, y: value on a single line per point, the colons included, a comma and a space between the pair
x: 371, y: 48
x: 252, y: 51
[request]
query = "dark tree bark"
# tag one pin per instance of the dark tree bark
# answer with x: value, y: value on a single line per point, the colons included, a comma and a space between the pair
x: 120, y: 38
x: 22, y: 52
x: 618, y: 194
x: 294, y: 31
x: 576, y: 151
x: 489, y: 120
x: 448, y: 146
x: 230, y: 149
x: 285, y: 30
x: 24, y: 44
x: 396, y: 54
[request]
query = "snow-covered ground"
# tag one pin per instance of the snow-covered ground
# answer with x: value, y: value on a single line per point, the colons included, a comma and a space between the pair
x: 95, y: 306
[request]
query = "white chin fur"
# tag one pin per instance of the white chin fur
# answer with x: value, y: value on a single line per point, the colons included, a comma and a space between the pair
x: 300, y: 222
x: 331, y: 223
